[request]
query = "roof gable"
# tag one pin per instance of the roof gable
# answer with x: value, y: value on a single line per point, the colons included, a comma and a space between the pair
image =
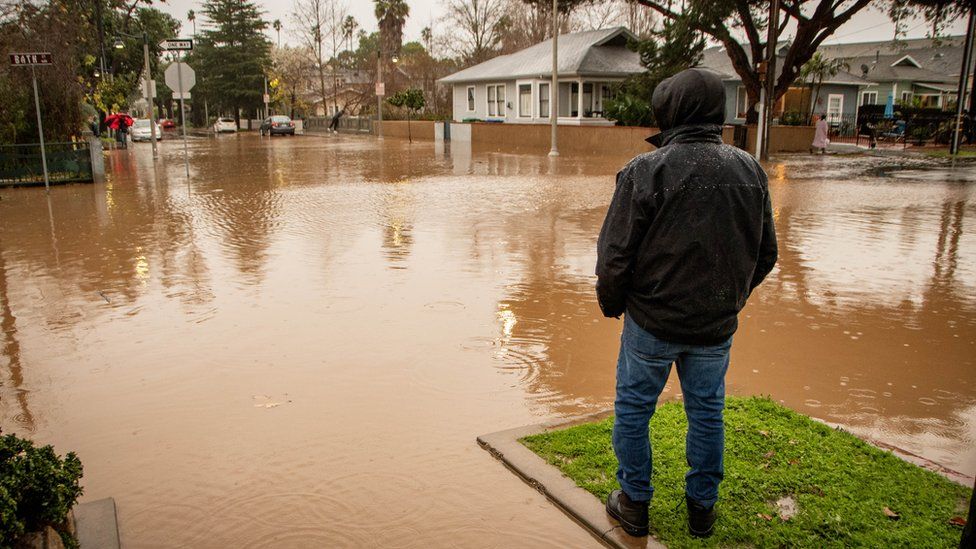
x: 906, y: 61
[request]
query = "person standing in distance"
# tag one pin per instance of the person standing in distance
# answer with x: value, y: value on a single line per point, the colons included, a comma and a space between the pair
x: 689, y: 234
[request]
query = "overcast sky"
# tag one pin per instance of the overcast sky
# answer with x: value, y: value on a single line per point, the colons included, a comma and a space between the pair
x: 866, y: 26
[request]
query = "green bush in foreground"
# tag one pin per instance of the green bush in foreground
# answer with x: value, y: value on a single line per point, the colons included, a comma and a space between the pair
x: 37, y: 489
x: 847, y: 493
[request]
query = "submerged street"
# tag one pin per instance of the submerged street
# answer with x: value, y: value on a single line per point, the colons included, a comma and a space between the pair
x: 300, y: 343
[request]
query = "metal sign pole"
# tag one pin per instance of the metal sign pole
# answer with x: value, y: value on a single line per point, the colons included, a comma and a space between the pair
x: 40, y: 131
x: 554, y: 85
x: 186, y: 157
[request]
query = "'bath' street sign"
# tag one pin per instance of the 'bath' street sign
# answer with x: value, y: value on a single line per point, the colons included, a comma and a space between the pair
x: 30, y: 59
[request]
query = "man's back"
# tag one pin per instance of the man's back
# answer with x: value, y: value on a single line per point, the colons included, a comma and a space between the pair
x: 688, y: 236
x: 689, y: 233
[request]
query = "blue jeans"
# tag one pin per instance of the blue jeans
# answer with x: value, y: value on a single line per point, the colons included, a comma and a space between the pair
x: 642, y: 370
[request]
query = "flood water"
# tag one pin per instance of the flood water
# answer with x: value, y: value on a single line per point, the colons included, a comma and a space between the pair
x: 298, y: 347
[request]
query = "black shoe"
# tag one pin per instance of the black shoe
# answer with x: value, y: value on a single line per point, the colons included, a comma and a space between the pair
x: 632, y: 515
x: 701, y: 520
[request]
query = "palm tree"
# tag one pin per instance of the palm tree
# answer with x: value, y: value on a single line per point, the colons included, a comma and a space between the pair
x: 427, y: 37
x: 391, y: 16
x: 349, y: 26
x: 277, y: 27
x: 818, y: 69
x: 191, y: 16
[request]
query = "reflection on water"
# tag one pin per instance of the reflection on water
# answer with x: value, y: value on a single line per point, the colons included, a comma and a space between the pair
x: 395, y: 301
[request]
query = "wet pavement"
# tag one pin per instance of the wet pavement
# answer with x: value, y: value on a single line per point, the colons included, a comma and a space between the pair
x: 299, y: 345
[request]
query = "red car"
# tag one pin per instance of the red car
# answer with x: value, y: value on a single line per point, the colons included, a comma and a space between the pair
x: 167, y: 124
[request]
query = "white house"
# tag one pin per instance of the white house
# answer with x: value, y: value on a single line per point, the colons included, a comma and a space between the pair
x: 515, y: 88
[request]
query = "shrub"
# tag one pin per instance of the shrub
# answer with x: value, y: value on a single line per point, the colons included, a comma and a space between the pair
x: 793, y: 118
x: 37, y: 488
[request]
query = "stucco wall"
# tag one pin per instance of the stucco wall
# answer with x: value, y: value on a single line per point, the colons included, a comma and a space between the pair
x: 623, y: 140
x: 781, y: 138
x: 419, y: 129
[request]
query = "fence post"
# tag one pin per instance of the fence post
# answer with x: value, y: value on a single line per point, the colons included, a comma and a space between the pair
x: 97, y: 159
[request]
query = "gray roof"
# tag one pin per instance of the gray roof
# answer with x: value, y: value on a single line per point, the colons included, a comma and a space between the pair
x: 717, y: 59
x: 943, y: 56
x: 600, y: 52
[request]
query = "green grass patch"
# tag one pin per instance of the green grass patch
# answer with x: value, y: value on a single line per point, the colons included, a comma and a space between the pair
x: 944, y: 153
x: 841, y: 485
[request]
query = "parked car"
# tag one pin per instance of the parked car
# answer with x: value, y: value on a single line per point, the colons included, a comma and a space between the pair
x: 142, y: 131
x: 225, y: 125
x: 277, y: 125
x: 167, y: 124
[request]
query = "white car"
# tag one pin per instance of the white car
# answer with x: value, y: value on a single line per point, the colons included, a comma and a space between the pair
x: 223, y: 125
x: 141, y: 130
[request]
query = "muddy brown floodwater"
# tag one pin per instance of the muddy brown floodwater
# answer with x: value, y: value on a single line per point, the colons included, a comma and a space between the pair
x: 298, y: 347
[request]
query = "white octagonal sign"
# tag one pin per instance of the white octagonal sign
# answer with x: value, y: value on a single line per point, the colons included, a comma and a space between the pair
x: 180, y: 72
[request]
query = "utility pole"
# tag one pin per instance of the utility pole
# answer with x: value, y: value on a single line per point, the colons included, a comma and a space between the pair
x: 967, y: 62
x: 149, y: 95
x: 379, y: 96
x: 554, y: 86
x: 771, y: 44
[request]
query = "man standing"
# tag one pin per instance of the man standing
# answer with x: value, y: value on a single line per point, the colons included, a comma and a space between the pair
x: 688, y: 236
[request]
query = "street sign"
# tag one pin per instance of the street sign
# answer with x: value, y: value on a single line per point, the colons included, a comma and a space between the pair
x: 267, y: 98
x: 30, y: 60
x: 381, y: 88
x: 24, y: 59
x: 179, y: 76
x: 177, y: 44
x: 178, y: 95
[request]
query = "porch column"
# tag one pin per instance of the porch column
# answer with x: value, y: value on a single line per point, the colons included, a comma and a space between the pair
x: 579, y: 100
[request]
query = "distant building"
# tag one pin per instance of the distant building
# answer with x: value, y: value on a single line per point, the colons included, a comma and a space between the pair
x: 923, y: 68
x: 837, y: 97
x: 514, y: 88
x: 354, y: 91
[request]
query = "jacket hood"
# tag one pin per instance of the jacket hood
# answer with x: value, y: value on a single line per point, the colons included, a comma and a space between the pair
x: 691, y: 97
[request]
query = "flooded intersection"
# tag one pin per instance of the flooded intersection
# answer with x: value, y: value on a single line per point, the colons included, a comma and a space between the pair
x: 300, y: 344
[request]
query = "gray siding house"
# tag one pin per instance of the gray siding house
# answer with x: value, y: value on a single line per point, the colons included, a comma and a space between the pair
x: 837, y: 97
x: 514, y: 88
x: 920, y: 69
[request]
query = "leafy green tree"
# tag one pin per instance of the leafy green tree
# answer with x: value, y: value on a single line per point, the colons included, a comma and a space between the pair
x: 410, y: 99
x: 676, y: 47
x: 232, y: 56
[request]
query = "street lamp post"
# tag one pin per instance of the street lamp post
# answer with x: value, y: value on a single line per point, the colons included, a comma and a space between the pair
x: 554, y: 86
x: 379, y: 98
x: 149, y: 91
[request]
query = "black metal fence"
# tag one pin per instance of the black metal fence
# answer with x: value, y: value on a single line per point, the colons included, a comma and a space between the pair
x: 910, y: 125
x: 66, y: 163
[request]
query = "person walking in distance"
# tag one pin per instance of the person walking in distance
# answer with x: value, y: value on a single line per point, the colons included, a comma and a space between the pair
x: 820, y: 135
x: 688, y: 236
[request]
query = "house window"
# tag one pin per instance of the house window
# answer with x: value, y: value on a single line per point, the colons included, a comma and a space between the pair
x: 741, y: 102
x: 470, y: 98
x: 588, y: 99
x: 835, y: 108
x: 496, y: 100
x: 525, y: 100
x: 869, y: 98
x: 543, y: 100
x: 906, y: 97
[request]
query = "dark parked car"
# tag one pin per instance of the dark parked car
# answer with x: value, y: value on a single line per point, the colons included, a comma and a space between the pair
x: 277, y: 125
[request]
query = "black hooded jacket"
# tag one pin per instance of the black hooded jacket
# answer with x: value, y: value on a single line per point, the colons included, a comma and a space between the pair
x: 689, y: 233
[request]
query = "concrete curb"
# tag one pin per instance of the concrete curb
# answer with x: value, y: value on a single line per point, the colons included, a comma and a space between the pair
x: 584, y: 508
x: 580, y: 505
x: 96, y: 524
